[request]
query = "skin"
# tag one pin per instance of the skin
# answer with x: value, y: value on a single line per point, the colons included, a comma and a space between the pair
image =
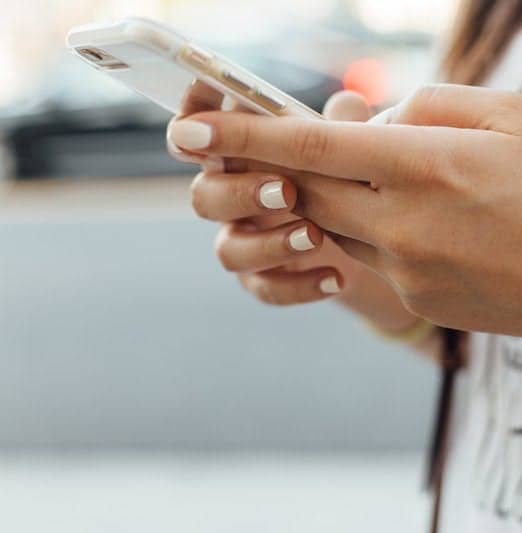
x: 442, y: 226
x: 253, y: 241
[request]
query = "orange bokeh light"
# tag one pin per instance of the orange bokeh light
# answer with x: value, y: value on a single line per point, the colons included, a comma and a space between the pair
x: 367, y: 77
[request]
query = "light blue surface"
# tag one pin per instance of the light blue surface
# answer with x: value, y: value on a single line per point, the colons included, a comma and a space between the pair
x: 163, y: 493
x: 128, y: 333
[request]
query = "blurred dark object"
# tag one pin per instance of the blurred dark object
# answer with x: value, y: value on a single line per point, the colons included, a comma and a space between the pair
x: 120, y: 139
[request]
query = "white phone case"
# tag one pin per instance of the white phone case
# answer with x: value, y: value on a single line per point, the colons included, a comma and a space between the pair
x: 160, y: 64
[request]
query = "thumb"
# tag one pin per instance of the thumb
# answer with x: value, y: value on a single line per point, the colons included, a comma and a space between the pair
x: 346, y: 106
x: 459, y: 106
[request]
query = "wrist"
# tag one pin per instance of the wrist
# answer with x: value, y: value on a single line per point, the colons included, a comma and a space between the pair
x: 415, y: 334
x: 377, y: 303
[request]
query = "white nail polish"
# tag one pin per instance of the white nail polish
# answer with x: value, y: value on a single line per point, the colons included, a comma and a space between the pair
x: 271, y: 195
x: 300, y: 240
x: 208, y: 163
x: 190, y: 134
x: 329, y: 285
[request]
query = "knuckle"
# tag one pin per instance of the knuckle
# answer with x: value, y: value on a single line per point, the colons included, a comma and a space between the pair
x: 433, y: 170
x: 268, y: 248
x: 266, y: 294
x: 242, y: 137
x: 222, y: 251
x: 309, y: 145
x: 456, y: 180
x: 509, y: 105
x: 241, y: 197
x: 199, y: 204
x: 272, y: 294
x: 421, y: 99
x: 511, y: 101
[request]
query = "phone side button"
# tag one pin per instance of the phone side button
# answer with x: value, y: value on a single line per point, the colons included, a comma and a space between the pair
x: 269, y: 101
x: 236, y: 82
x: 195, y: 57
x: 198, y: 55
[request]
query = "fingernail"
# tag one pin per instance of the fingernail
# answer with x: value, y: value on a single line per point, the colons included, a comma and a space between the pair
x: 184, y: 158
x: 271, y: 195
x: 208, y: 163
x: 190, y: 134
x: 329, y: 285
x: 300, y: 240
x: 173, y: 149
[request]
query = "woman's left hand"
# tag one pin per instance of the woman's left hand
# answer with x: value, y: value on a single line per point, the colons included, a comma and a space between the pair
x: 443, y: 219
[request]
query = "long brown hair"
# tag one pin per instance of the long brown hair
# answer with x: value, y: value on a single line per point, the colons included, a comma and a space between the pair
x: 482, y: 32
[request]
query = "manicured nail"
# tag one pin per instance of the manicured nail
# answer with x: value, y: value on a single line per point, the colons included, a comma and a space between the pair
x: 174, y: 150
x: 190, y: 134
x: 271, y: 195
x: 300, y: 240
x: 329, y: 285
x: 208, y: 163
x: 184, y: 158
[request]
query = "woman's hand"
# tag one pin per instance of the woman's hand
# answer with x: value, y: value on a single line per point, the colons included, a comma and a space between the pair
x: 279, y: 257
x: 442, y: 223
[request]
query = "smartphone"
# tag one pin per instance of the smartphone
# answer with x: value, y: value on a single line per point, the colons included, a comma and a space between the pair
x: 162, y: 65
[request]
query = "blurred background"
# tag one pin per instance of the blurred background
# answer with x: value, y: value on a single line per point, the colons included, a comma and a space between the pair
x: 140, y: 388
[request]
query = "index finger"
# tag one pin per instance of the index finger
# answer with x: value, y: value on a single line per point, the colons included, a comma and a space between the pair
x: 198, y: 98
x: 357, y: 151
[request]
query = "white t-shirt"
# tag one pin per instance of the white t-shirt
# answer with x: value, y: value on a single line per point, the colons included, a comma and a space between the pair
x: 482, y: 491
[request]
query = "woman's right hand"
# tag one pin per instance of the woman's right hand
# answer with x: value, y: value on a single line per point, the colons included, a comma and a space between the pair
x: 279, y: 258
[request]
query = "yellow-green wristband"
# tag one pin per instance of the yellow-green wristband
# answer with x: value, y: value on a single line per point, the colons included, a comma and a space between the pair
x: 415, y: 334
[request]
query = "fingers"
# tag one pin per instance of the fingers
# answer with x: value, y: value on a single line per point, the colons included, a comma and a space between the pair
x: 344, y: 207
x: 360, y: 251
x: 342, y: 106
x: 200, y: 97
x: 245, y: 250
x: 290, y: 288
x: 460, y: 106
x: 345, y: 106
x: 227, y: 197
x: 344, y: 150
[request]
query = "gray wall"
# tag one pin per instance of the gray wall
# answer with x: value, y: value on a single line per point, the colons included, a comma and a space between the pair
x: 127, y: 333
